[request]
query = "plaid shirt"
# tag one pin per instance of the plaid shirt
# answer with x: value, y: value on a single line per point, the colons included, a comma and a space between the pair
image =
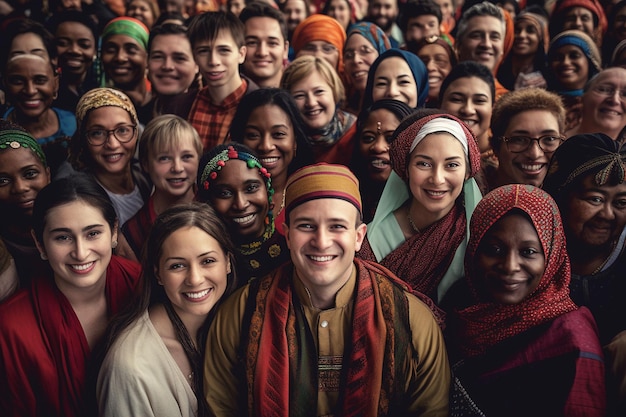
x: 213, y: 121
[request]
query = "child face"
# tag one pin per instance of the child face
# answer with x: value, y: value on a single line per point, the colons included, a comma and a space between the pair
x: 173, y: 170
x: 219, y: 61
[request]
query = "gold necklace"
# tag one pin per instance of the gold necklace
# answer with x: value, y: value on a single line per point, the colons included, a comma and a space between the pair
x: 408, y: 216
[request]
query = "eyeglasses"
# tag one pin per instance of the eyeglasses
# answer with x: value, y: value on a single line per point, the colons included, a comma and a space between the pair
x: 362, y: 51
x: 98, y: 137
x: 547, y: 143
x: 609, y: 91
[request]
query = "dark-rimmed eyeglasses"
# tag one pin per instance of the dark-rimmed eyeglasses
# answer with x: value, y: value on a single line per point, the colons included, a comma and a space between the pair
x: 123, y: 133
x: 547, y: 143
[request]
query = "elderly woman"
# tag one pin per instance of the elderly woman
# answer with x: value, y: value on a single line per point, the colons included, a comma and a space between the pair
x: 124, y: 55
x: 364, y: 43
x: 398, y: 75
x: 527, y: 127
x: 323, y: 37
x: 520, y: 346
x: 420, y: 229
x: 318, y: 93
x: 573, y: 59
x: 586, y: 178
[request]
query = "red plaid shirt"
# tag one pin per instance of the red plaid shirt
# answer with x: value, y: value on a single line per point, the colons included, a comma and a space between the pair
x: 212, y: 121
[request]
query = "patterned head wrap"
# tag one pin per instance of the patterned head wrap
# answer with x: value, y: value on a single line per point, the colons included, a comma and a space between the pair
x: 407, y: 139
x: 593, y: 5
x: 319, y: 27
x: 418, y: 69
x: 130, y: 27
x: 372, y: 33
x: 582, y: 155
x: 101, y: 97
x: 488, y: 323
x: 584, y: 42
x: 322, y: 181
x: 539, y: 23
x: 15, y: 139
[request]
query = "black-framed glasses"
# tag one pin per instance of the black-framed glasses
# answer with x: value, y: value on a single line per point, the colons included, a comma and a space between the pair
x: 547, y: 143
x: 123, y: 133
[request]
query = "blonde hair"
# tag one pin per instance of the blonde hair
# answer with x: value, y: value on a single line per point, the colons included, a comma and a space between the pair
x: 304, y: 66
x: 164, y: 132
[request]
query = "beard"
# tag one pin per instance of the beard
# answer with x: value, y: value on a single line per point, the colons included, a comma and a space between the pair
x: 388, y: 23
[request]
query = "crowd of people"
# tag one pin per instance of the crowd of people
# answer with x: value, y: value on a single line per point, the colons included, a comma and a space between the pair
x: 313, y: 208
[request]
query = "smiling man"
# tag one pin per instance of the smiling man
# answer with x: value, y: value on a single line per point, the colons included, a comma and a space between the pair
x: 320, y: 334
x: 266, y: 43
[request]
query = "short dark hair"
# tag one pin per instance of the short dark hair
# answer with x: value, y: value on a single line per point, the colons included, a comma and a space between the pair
x: 208, y: 25
x: 165, y: 29
x: 74, y: 16
x: 19, y: 27
x: 469, y: 69
x: 76, y: 187
x: 262, y: 9
x: 415, y: 8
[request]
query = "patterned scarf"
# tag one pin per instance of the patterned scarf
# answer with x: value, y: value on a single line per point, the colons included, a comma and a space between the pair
x: 486, y: 323
x: 286, y: 383
x: 329, y: 135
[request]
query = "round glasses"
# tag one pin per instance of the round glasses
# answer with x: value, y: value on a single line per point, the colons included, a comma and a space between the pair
x: 547, y: 143
x: 123, y: 133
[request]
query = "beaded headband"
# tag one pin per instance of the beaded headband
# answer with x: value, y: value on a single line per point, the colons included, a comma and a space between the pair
x: 15, y: 139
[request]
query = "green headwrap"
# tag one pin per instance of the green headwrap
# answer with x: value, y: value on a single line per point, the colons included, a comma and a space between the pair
x: 15, y: 139
x: 130, y: 27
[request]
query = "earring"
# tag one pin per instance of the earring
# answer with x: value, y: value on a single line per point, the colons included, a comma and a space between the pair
x: 114, y: 244
x: 43, y: 256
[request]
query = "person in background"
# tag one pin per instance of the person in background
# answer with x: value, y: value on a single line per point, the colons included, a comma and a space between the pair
x: 23, y: 173
x: 104, y: 145
x: 604, y: 103
x: 267, y: 47
x: 481, y: 37
x: 340, y: 10
x: 318, y: 93
x: 584, y: 15
x: 77, y: 38
x: 525, y: 65
x: 172, y: 70
x: 233, y: 181
x: 518, y: 343
x: 124, y: 54
x: 268, y: 122
x: 384, y: 14
x: 420, y: 19
x: 154, y: 349
x: 526, y: 128
x: 323, y: 37
x: 32, y: 85
x: 468, y: 92
x: 236, y: 6
x: 146, y: 11
x: 50, y: 329
x: 326, y: 307
x: 371, y: 162
x: 295, y: 11
x: 26, y: 36
x: 399, y: 75
x: 573, y: 59
x: 419, y: 230
x: 364, y: 43
x: 169, y: 153
x: 616, y: 33
x: 439, y: 58
x: 586, y: 178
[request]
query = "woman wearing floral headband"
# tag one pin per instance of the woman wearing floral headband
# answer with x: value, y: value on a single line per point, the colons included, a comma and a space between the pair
x: 232, y: 179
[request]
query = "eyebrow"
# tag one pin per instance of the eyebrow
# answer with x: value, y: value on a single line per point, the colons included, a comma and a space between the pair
x: 431, y: 158
x: 68, y: 230
x: 173, y: 258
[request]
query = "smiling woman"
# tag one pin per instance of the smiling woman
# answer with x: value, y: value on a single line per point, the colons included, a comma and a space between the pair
x: 154, y: 349
x: 232, y: 179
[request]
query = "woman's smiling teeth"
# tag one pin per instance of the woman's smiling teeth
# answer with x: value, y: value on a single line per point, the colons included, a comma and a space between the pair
x: 82, y: 267
x: 196, y: 295
x: 245, y: 219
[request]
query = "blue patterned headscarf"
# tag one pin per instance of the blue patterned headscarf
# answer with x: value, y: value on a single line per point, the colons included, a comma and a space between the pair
x: 420, y: 74
x: 372, y: 33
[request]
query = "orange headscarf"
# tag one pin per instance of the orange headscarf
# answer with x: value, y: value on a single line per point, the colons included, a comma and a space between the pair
x: 319, y: 27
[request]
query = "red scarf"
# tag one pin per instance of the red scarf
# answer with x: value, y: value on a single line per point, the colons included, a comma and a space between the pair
x: 276, y: 386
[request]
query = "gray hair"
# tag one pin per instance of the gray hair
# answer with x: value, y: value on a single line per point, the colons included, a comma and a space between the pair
x: 480, y: 9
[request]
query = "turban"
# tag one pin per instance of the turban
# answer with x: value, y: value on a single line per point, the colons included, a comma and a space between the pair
x: 586, y: 154
x: 404, y: 138
x: 372, y: 33
x: 322, y: 181
x: 15, y: 139
x: 130, y: 27
x: 418, y: 69
x: 319, y: 27
x: 101, y: 97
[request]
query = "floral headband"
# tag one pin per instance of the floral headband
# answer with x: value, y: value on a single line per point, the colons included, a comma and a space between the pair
x: 15, y: 139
